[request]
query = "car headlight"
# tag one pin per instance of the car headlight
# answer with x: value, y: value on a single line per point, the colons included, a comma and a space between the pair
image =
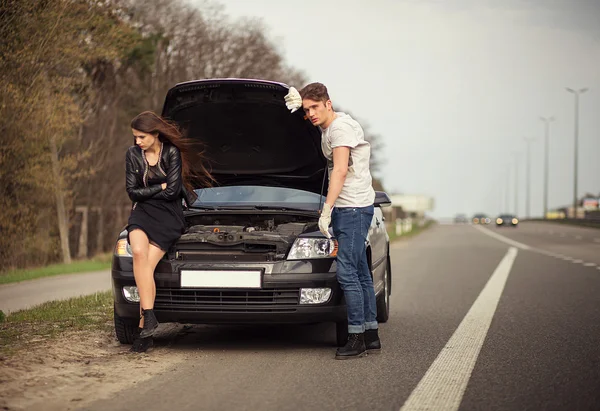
x: 123, y: 249
x: 307, y: 248
x: 498, y: 221
x: 515, y: 221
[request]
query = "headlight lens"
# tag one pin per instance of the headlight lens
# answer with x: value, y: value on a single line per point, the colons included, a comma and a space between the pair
x: 307, y: 248
x: 131, y: 294
x: 122, y: 249
x: 515, y: 221
x: 499, y: 221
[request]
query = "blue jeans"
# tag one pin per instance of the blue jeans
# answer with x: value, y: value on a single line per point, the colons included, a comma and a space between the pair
x: 350, y: 228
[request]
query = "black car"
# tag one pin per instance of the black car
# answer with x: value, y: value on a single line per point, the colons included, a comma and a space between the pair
x: 507, y: 220
x: 252, y: 251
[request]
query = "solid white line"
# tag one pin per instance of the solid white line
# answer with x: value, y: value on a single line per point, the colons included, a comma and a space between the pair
x: 590, y: 264
x: 444, y: 384
x: 577, y: 261
x: 502, y: 238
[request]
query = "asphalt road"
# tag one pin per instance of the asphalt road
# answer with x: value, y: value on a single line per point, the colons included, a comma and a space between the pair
x: 27, y: 294
x: 478, y: 322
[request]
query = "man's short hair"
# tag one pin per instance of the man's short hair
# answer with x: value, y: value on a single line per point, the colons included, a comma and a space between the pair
x: 315, y: 91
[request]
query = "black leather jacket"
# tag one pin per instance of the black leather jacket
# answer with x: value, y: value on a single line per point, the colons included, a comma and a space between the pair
x: 136, y: 176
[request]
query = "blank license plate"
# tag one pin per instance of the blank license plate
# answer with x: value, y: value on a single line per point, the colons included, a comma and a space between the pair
x: 220, y: 279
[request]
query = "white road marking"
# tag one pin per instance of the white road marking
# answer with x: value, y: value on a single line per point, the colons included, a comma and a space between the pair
x: 590, y: 264
x: 578, y: 237
x: 568, y: 258
x: 597, y: 240
x: 444, y: 384
x: 577, y: 261
x: 503, y: 239
x: 562, y: 234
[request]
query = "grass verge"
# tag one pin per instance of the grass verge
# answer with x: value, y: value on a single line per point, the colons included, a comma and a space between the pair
x: 102, y: 262
x: 22, y: 329
x: 416, y: 230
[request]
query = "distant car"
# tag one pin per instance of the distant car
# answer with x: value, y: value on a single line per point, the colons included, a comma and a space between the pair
x: 507, y: 219
x: 461, y: 219
x: 481, y: 219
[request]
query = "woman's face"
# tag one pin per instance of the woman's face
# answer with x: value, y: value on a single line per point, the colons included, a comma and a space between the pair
x: 144, y: 140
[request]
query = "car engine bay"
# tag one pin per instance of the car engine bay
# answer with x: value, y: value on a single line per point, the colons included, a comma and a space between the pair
x: 246, y: 237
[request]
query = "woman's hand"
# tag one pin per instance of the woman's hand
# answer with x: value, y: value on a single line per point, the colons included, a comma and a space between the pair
x: 164, y: 186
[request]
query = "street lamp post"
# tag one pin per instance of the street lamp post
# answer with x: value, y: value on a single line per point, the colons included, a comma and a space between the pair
x: 576, y: 93
x: 516, y: 156
x: 547, y: 121
x: 528, y: 177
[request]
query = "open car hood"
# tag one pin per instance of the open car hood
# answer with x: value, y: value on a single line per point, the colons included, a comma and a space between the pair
x: 249, y: 136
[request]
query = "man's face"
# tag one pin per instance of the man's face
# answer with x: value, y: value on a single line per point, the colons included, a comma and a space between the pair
x: 318, y: 112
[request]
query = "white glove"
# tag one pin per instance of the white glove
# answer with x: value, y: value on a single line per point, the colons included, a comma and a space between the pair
x: 325, y: 219
x: 293, y: 101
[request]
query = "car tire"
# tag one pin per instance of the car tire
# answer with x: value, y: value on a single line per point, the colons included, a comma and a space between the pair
x: 341, y: 333
x: 125, y: 328
x: 383, y: 302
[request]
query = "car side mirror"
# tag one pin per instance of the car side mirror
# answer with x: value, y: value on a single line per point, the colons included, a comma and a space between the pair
x: 382, y: 199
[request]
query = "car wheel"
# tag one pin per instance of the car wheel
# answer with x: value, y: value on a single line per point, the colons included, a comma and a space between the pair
x: 125, y: 328
x: 383, y: 302
x: 341, y: 333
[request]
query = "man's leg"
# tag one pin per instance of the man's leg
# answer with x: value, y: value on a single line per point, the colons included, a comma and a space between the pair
x: 345, y: 231
x: 364, y: 272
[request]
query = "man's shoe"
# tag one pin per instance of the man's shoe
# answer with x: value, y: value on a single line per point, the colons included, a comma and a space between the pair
x: 354, y: 348
x: 372, y: 341
x: 150, y: 323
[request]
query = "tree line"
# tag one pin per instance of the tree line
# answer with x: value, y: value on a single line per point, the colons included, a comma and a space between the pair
x: 72, y: 75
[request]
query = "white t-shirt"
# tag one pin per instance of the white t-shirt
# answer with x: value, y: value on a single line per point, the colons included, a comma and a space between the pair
x: 345, y: 131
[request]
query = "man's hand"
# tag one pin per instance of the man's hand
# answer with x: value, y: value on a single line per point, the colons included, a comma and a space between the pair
x: 293, y: 101
x: 164, y: 186
x: 325, y: 219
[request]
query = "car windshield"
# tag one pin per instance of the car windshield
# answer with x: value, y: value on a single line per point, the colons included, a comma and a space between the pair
x: 257, y: 196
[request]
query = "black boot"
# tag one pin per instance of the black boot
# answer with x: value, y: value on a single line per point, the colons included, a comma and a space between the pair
x: 141, y: 344
x: 372, y: 342
x: 150, y: 323
x: 354, y: 348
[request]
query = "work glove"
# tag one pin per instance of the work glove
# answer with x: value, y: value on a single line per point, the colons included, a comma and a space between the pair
x: 325, y: 219
x: 293, y: 101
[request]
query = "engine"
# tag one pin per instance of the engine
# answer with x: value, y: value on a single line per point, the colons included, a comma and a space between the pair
x: 241, y: 237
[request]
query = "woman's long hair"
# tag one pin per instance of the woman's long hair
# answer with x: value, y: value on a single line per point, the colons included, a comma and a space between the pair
x: 193, y: 168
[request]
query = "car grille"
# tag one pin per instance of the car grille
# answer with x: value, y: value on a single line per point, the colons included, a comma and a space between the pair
x: 231, y: 301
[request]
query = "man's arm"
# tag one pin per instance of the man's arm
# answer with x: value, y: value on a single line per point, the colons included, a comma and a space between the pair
x: 341, y: 156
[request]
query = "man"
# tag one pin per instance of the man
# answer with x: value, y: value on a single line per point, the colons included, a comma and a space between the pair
x: 349, y: 207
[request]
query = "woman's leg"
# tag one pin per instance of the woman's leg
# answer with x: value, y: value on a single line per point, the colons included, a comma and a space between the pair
x: 143, y: 272
x: 154, y: 256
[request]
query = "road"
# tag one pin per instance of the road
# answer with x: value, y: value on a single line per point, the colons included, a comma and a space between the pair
x: 26, y: 294
x: 482, y: 319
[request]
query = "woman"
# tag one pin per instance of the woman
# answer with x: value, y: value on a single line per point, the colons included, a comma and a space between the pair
x: 158, y: 176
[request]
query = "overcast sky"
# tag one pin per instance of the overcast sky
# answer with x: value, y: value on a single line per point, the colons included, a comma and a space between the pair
x: 453, y: 87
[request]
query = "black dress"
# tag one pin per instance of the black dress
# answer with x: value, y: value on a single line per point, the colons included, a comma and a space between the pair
x: 161, y: 220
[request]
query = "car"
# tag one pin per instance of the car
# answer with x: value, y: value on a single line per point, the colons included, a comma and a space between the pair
x: 461, y: 219
x: 507, y: 220
x: 252, y: 252
x: 481, y: 218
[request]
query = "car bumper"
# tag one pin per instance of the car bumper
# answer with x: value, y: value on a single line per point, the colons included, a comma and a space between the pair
x: 277, y: 302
